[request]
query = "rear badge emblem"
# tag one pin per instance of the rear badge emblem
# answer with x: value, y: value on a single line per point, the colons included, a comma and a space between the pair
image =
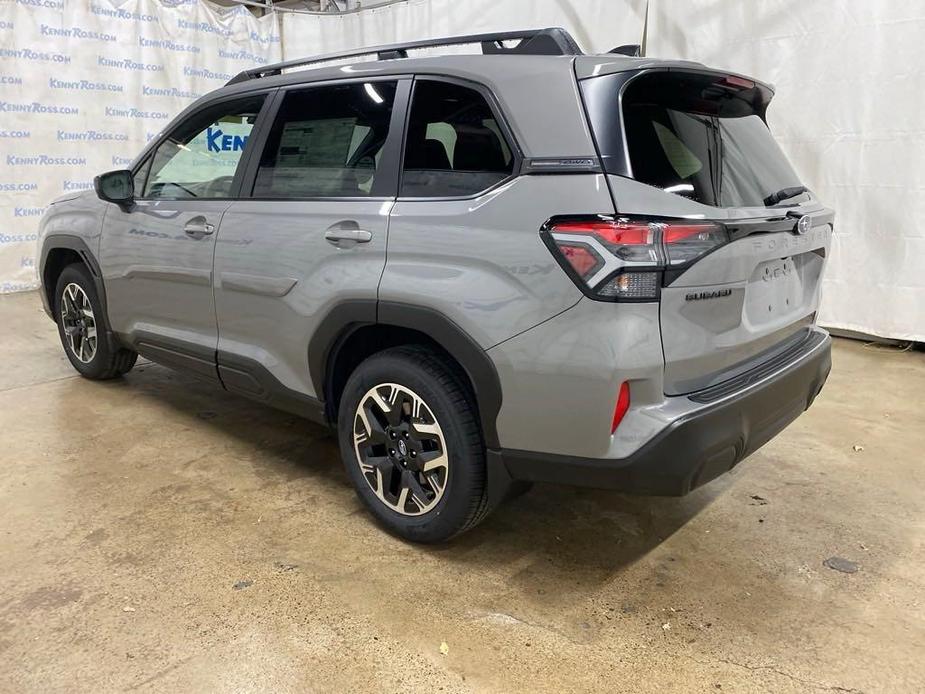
x: 700, y: 296
x: 804, y: 225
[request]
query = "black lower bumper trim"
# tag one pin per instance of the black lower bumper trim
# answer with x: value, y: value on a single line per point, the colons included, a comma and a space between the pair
x: 695, y: 449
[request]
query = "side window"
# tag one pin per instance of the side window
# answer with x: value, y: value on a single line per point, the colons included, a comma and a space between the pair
x: 198, y: 159
x: 327, y: 142
x: 138, y: 181
x: 454, y: 145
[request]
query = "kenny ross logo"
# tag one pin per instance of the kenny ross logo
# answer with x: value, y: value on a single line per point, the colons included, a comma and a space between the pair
x: 128, y: 64
x: 90, y: 136
x: 219, y: 142
x: 44, y: 160
x: 17, y: 238
x: 204, y: 27
x: 29, y: 54
x: 243, y: 55
x: 169, y: 91
x: 36, y: 107
x: 206, y: 73
x: 17, y: 187
x: 83, y: 85
x: 116, y: 13
x: 75, y: 33
x: 132, y: 112
x: 28, y: 211
x: 168, y: 45
x: 69, y: 186
x: 272, y: 38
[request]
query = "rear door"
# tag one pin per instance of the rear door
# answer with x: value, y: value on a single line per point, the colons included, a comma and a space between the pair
x: 744, y: 241
x: 309, y: 231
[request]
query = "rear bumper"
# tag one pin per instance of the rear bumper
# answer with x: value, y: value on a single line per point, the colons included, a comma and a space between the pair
x: 695, y: 448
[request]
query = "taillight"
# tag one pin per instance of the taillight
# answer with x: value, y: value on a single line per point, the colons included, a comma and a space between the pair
x: 622, y: 259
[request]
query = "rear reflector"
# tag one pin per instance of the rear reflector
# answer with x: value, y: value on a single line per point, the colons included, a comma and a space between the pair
x: 622, y: 259
x: 623, y: 404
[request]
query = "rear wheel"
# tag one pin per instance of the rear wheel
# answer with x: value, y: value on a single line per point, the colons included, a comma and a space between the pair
x: 410, y: 440
x: 83, y: 330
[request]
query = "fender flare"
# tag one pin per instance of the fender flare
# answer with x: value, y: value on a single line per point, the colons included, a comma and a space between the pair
x: 74, y: 243
x: 346, y: 317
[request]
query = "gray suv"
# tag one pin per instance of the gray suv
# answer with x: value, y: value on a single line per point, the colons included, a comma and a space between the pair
x: 482, y: 270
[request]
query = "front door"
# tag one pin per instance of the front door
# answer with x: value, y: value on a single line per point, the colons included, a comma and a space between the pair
x: 309, y: 231
x: 156, y: 256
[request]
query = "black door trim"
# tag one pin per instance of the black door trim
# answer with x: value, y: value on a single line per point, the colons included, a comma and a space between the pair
x: 175, y: 354
x: 253, y: 380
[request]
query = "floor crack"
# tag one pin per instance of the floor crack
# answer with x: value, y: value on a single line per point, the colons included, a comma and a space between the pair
x: 782, y: 673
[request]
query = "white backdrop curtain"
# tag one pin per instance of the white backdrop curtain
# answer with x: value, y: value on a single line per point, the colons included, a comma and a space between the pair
x: 85, y: 83
x: 850, y: 79
x: 598, y: 25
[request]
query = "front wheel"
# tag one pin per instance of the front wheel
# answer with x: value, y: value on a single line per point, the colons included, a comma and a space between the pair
x: 83, y: 330
x: 411, y: 442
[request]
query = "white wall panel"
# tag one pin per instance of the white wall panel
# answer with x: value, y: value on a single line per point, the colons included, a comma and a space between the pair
x: 850, y: 79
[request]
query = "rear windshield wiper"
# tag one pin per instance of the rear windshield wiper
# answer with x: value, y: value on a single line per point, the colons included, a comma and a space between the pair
x: 783, y: 194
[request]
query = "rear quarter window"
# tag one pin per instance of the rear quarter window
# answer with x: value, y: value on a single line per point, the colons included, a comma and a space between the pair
x: 454, y: 146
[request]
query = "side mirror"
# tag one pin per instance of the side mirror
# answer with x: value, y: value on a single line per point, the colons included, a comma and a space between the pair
x: 115, y: 186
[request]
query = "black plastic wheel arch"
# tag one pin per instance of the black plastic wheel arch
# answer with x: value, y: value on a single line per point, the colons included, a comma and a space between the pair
x: 348, y: 316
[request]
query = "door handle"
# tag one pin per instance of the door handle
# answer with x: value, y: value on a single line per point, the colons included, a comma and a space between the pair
x: 337, y: 236
x: 198, y: 227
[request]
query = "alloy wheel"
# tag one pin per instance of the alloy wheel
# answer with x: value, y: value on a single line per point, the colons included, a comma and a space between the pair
x: 79, y: 323
x: 400, y: 449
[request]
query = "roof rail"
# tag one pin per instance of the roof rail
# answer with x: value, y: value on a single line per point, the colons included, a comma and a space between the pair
x: 551, y: 41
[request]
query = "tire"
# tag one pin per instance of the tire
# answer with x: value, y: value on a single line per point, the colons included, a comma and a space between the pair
x: 444, y: 436
x: 83, y: 329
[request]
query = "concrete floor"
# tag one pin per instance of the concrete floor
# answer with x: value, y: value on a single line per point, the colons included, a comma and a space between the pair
x: 160, y: 535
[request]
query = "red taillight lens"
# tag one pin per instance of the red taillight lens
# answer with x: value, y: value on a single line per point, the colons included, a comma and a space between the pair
x: 674, y: 233
x: 622, y: 259
x: 687, y: 242
x: 623, y: 404
x: 615, y: 232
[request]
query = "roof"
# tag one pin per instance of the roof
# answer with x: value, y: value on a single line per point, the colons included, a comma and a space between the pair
x: 533, y: 81
x: 520, y: 83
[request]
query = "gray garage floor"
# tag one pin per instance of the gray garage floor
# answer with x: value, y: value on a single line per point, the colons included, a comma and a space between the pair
x: 159, y: 535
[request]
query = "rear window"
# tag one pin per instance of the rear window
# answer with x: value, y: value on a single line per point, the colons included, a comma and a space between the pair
x: 696, y: 135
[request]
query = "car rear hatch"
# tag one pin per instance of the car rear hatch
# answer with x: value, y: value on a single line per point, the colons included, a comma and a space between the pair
x: 739, y: 242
